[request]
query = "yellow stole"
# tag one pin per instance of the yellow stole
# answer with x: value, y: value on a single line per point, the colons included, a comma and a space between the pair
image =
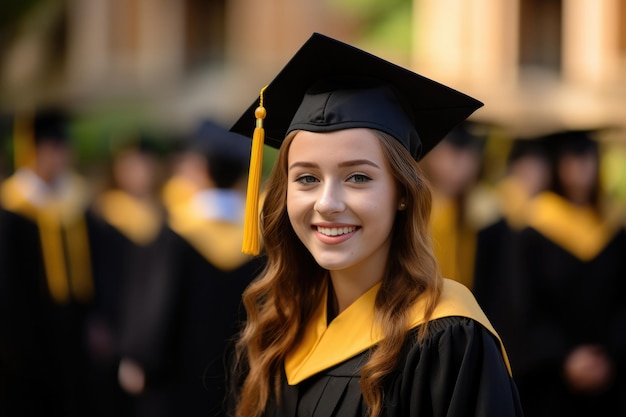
x: 177, y: 192
x: 218, y: 241
x: 579, y: 230
x: 514, y: 202
x: 67, y: 263
x: 136, y: 219
x: 454, y: 246
x: 353, y: 331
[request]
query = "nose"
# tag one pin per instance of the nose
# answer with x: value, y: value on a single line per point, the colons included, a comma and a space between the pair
x: 330, y: 199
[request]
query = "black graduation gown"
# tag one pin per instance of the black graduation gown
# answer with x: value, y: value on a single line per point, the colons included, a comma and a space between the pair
x: 460, y: 369
x: 208, y: 314
x: 43, y: 342
x: 495, y: 287
x: 193, y: 314
x: 572, y: 298
x: 457, y: 372
x: 127, y: 227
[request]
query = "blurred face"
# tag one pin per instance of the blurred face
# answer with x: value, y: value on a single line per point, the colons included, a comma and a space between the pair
x: 342, y: 200
x: 578, y: 175
x: 52, y: 159
x: 452, y: 169
x: 135, y: 172
x: 533, y: 172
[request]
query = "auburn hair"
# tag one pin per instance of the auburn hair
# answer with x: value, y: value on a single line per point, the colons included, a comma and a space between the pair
x: 281, y: 300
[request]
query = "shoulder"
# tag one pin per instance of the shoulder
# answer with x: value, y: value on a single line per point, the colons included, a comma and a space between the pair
x: 458, y: 306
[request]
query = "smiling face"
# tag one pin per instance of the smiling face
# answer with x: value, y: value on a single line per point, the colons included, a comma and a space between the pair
x: 342, y: 200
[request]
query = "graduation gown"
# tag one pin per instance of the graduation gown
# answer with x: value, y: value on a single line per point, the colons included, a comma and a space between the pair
x: 495, y: 289
x: 197, y: 274
x: 127, y: 227
x: 460, y: 369
x: 47, y: 287
x: 573, y: 268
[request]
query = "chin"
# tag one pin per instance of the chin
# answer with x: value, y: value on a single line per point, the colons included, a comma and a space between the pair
x: 331, y: 264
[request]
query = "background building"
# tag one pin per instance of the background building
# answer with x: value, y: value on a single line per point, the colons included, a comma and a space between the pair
x: 534, y: 63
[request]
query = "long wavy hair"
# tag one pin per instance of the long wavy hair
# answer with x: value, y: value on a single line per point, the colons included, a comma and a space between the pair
x: 281, y: 300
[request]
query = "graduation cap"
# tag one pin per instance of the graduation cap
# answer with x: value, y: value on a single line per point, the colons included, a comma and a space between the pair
x: 522, y: 148
x: 468, y: 135
x: 30, y: 129
x: 577, y: 141
x: 51, y: 124
x: 329, y: 85
x: 216, y: 141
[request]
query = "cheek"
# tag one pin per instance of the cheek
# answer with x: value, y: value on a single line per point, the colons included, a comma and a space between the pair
x: 296, y: 210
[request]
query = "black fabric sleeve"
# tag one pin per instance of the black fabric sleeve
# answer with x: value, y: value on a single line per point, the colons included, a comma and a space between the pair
x: 457, y: 371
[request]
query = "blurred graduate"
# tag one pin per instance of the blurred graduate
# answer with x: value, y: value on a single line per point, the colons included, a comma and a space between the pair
x: 47, y: 278
x: 195, y: 275
x: 453, y: 169
x: 131, y: 219
x: 571, y: 268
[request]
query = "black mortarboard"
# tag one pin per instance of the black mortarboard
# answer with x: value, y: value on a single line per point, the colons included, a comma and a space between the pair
x: 329, y: 85
x: 572, y: 141
x: 468, y: 135
x: 212, y: 139
x: 522, y: 148
x: 51, y: 124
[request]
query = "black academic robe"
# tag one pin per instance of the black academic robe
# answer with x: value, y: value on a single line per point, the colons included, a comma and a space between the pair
x: 127, y: 227
x: 193, y: 312
x: 495, y: 266
x: 495, y: 287
x: 459, y: 369
x: 43, y: 341
x: 574, y: 290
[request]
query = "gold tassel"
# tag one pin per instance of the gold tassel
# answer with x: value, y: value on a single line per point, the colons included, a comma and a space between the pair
x: 251, y: 234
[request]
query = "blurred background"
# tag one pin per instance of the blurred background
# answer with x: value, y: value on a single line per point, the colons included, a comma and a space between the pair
x: 119, y: 63
x: 138, y: 77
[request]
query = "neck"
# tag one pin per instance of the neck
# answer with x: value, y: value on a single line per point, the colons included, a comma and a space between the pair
x: 347, y: 288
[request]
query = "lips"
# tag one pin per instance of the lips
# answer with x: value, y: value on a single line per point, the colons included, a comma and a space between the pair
x: 335, y: 231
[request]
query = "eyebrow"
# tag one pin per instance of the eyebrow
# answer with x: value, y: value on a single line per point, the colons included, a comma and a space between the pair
x: 340, y: 165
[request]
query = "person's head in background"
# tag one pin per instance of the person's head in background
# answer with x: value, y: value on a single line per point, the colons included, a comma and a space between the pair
x: 455, y: 164
x: 221, y: 156
x: 575, y: 167
x: 135, y: 164
x: 53, y: 154
x: 529, y: 164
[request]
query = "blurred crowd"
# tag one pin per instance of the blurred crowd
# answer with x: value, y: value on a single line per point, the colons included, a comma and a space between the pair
x: 120, y: 293
x: 543, y: 249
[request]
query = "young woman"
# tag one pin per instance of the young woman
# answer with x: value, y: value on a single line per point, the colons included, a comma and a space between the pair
x: 351, y: 316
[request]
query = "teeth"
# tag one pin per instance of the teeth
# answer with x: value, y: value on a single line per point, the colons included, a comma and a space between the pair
x: 335, y: 231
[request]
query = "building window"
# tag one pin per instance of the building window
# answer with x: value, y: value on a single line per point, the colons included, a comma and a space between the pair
x: 540, y: 34
x: 205, y: 32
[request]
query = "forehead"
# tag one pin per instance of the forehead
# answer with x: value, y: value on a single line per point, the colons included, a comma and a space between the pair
x: 346, y: 144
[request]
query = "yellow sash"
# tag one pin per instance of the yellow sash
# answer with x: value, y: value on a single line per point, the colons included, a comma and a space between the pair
x: 579, y: 230
x: 219, y: 242
x: 67, y: 261
x: 138, y: 220
x: 353, y: 332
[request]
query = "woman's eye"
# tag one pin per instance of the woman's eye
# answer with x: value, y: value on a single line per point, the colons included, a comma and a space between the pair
x: 306, y: 179
x: 359, y: 178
